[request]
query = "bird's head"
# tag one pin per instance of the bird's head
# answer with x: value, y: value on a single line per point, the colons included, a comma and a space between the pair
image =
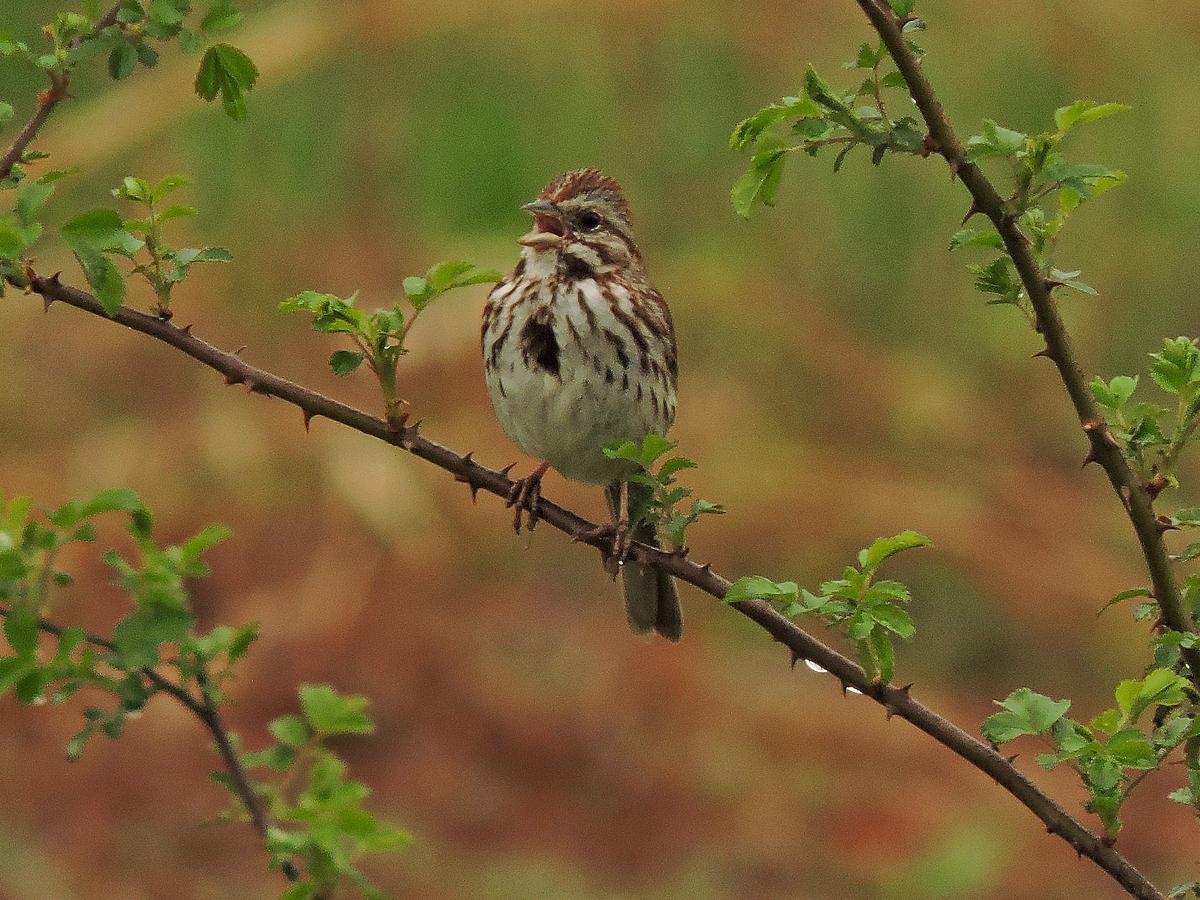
x: 582, y: 217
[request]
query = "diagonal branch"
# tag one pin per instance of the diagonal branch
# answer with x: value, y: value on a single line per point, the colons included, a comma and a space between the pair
x: 1135, y: 498
x: 208, y: 713
x: 896, y: 701
x: 48, y: 99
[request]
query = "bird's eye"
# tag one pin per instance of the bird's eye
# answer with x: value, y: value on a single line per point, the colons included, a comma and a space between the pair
x: 589, y: 221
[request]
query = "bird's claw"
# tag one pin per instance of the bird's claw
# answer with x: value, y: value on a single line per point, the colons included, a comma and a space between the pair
x: 526, y: 495
x: 620, y: 538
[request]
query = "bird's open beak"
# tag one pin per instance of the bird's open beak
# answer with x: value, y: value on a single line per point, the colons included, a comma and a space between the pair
x: 548, y: 226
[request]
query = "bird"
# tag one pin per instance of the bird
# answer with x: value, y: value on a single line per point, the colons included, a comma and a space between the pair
x: 579, y: 353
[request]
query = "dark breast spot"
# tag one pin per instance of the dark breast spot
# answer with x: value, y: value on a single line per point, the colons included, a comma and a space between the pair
x: 575, y: 268
x: 539, y: 346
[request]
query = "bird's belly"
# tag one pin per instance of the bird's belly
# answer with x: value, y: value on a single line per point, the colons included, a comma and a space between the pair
x: 568, y: 418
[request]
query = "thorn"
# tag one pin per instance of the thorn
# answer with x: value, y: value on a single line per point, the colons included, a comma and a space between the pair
x: 187, y: 329
x: 973, y: 210
x: 1011, y: 759
x: 1049, y: 829
x: 1163, y: 524
x: 508, y: 469
x: 845, y: 688
x: 888, y: 711
x: 1090, y: 458
x: 795, y: 658
x: 234, y: 378
x: 1155, y: 485
x: 239, y: 350
x: 308, y: 414
x: 1044, y: 353
x: 906, y: 689
x: 55, y: 280
x: 706, y: 568
x: 467, y: 460
x: 415, y: 427
x: 46, y: 301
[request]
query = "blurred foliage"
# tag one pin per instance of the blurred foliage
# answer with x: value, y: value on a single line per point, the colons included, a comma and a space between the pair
x: 836, y: 336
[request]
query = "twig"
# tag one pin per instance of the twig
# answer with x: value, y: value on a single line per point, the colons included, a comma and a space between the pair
x: 896, y: 701
x: 1138, y: 503
x: 48, y: 99
x: 206, y: 711
x: 210, y: 715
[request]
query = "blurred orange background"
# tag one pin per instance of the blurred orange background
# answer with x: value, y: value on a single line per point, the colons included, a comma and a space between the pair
x: 840, y: 381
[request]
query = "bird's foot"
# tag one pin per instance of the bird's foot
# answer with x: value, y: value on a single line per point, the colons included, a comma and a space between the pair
x: 618, y: 534
x: 526, y: 496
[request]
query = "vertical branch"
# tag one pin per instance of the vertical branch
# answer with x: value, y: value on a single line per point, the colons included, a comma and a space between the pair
x: 1104, y: 450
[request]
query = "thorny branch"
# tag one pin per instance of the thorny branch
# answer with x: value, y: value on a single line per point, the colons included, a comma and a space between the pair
x: 48, y: 99
x: 896, y: 701
x: 1135, y: 497
x: 206, y: 710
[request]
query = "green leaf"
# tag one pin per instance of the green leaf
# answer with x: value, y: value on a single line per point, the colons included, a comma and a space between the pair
x: 881, y: 648
x: 122, y: 60
x: 343, y: 362
x: 902, y: 8
x: 6, y: 112
x: 290, y: 730
x: 1121, y: 596
x: 329, y: 712
x: 1176, y: 369
x: 100, y: 229
x: 884, y: 548
x: 21, y: 630
x: 750, y: 129
x: 761, y: 182
x: 1130, y: 748
x: 221, y: 18
x: 995, y: 141
x: 1066, y: 117
x: 1161, y: 687
x: 227, y: 71
x: 103, y: 276
x: 969, y: 237
x: 1025, y: 712
x: 139, y: 635
x: 894, y: 619
x: 1114, y: 395
x: 756, y: 587
x: 31, y: 198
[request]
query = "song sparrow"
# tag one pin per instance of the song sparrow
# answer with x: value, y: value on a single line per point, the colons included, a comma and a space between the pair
x: 579, y: 353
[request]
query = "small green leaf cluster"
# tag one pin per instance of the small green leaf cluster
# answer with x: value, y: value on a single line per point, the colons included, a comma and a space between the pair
x: 98, y: 236
x: 658, y: 503
x: 317, y: 814
x: 160, y: 618
x: 822, y: 116
x: 322, y: 822
x: 21, y: 228
x: 379, y: 337
x: 1112, y: 753
x: 73, y: 38
x: 1047, y: 188
x: 870, y: 611
x: 1149, y: 437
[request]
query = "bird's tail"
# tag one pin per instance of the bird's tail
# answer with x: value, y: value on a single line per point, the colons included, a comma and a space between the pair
x: 651, y: 602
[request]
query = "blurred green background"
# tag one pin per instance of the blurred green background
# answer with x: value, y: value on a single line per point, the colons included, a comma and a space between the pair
x: 840, y: 380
